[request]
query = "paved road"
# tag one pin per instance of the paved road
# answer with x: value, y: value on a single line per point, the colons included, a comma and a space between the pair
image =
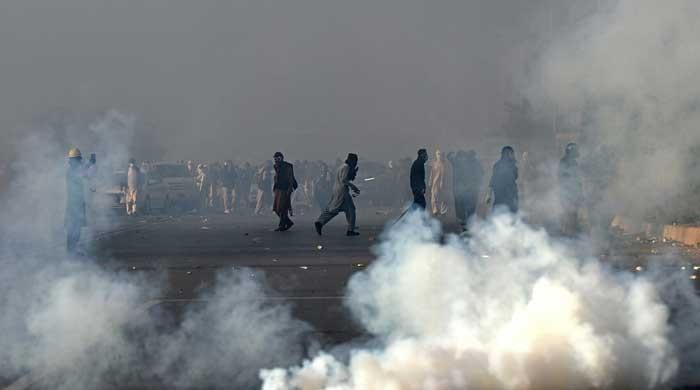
x: 309, y: 271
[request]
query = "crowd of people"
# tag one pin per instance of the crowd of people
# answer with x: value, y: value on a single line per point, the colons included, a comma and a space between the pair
x: 280, y: 187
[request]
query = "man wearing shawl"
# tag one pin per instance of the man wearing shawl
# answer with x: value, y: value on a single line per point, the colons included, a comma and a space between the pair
x: 341, y: 200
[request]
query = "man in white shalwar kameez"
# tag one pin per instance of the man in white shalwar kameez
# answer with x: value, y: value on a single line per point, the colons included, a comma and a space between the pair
x: 341, y: 200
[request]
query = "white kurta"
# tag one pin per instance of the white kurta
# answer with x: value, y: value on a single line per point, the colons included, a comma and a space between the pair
x: 341, y: 198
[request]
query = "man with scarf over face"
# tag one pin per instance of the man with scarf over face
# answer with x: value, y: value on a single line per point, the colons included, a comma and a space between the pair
x: 285, y: 184
x: 341, y: 200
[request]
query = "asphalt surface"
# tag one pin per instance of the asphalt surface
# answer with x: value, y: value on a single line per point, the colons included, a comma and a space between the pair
x: 185, y: 253
x: 299, y: 267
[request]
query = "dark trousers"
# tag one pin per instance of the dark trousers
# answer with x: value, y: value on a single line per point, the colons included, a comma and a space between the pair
x: 419, y: 199
x: 285, y: 221
x: 465, y: 206
x: 508, y: 200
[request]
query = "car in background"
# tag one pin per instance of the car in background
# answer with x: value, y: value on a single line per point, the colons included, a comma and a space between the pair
x: 169, y: 187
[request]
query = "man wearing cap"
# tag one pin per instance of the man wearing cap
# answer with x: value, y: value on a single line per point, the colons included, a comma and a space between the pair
x: 74, y: 218
x: 285, y: 184
x: 341, y: 200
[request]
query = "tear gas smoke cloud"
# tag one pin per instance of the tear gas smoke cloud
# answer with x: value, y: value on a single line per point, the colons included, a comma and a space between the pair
x: 231, y: 337
x: 508, y: 308
x: 68, y: 322
x: 627, y: 78
x: 75, y: 325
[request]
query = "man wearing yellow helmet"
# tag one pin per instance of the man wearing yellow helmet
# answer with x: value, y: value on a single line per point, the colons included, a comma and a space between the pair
x: 75, y: 218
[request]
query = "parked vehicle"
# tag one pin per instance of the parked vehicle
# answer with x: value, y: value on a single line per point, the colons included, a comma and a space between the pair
x: 169, y: 187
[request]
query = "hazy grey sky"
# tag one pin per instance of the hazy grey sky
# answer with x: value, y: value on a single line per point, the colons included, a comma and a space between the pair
x: 314, y: 78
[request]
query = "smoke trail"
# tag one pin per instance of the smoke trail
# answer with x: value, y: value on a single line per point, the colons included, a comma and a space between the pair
x: 508, y: 308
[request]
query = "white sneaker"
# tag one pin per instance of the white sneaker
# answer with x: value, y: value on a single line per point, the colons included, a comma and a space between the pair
x: 227, y: 211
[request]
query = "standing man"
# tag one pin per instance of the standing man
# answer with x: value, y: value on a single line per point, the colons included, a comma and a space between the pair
x: 134, y: 186
x: 201, y: 183
x: 504, y: 180
x: 467, y: 175
x: 437, y: 185
x: 570, y: 190
x: 285, y: 184
x: 264, y: 182
x: 74, y: 218
x: 341, y: 199
x: 228, y: 186
x: 418, y: 179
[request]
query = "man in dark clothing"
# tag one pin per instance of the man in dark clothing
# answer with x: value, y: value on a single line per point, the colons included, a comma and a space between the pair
x: 285, y: 184
x: 418, y: 179
x: 74, y: 218
x: 228, y: 185
x: 570, y: 190
x: 467, y: 175
x: 504, y: 181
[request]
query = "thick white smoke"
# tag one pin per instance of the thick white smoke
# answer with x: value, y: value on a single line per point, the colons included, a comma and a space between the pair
x: 70, y: 323
x: 626, y: 78
x: 508, y: 308
x: 225, y: 340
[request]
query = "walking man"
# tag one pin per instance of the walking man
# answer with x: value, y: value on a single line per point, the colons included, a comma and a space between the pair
x: 284, y: 186
x: 341, y: 200
x: 418, y: 179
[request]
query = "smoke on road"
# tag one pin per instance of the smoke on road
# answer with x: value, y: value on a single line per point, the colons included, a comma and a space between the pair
x: 73, y: 323
x: 508, y: 308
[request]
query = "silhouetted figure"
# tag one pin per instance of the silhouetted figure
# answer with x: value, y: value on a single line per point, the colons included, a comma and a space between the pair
x: 504, y: 181
x: 418, y: 186
x: 285, y: 184
x: 467, y: 175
